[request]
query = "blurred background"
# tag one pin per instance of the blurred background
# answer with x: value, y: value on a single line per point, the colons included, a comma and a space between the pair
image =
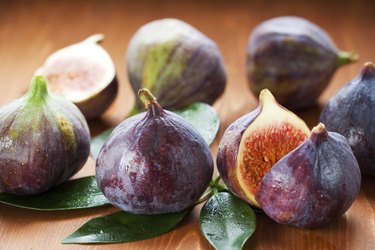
x: 31, y: 30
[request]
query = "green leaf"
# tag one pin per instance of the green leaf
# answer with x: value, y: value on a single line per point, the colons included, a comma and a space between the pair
x: 204, y: 118
x: 226, y: 221
x: 74, y: 194
x: 201, y: 115
x: 124, y: 227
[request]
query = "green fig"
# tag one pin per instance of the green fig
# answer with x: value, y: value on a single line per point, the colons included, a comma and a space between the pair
x: 176, y: 62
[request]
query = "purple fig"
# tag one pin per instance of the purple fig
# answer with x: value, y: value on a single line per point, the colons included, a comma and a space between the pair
x: 351, y: 113
x: 176, y: 62
x: 154, y: 162
x: 255, y: 142
x: 294, y: 59
x: 84, y: 74
x: 44, y: 140
x: 313, y: 184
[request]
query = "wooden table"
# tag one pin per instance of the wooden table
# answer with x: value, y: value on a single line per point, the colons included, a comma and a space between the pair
x: 31, y: 30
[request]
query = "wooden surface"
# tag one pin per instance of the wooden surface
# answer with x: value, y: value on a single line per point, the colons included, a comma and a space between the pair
x: 31, y: 30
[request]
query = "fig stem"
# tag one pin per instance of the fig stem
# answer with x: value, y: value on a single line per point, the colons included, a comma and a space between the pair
x: 265, y: 96
x: 94, y: 38
x: 214, y: 184
x: 345, y: 57
x: 146, y: 97
x: 319, y: 133
x: 38, y: 89
x: 368, y: 70
x: 319, y: 129
x: 206, y: 195
x: 213, y: 189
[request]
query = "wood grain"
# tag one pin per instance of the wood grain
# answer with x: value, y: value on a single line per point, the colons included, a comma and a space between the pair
x: 31, y: 30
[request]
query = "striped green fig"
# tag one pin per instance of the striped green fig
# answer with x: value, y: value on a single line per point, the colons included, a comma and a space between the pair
x: 176, y: 62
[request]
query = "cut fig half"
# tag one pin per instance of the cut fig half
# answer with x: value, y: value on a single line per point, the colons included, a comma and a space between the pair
x: 273, y: 133
x: 83, y: 73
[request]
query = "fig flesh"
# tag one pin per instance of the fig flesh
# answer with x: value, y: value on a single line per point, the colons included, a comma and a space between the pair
x: 176, y: 62
x: 154, y: 162
x: 83, y: 73
x: 294, y: 59
x: 312, y: 185
x: 255, y: 142
x: 351, y: 113
x: 44, y: 140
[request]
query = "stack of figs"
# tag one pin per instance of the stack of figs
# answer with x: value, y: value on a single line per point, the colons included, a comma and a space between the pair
x: 155, y: 162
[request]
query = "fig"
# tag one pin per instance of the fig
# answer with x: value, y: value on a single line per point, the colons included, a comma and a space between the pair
x: 351, y: 113
x: 154, y: 162
x: 83, y: 73
x: 294, y: 58
x: 313, y: 184
x: 176, y: 62
x: 255, y: 142
x: 44, y: 140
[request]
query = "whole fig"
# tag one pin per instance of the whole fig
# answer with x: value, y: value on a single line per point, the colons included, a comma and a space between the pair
x: 351, y: 113
x: 176, y: 62
x: 154, y: 162
x: 294, y: 59
x: 83, y: 73
x: 312, y: 185
x: 255, y: 142
x: 44, y: 140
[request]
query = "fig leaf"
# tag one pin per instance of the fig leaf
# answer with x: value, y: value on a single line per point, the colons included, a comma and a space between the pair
x: 226, y: 221
x: 204, y: 118
x: 74, y: 194
x: 124, y: 227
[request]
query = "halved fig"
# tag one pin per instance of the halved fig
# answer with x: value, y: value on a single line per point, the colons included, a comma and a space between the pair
x: 83, y: 73
x: 255, y: 142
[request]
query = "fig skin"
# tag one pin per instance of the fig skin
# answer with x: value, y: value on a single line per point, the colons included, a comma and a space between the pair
x: 228, y: 161
x: 294, y: 59
x: 350, y: 112
x: 154, y: 162
x: 176, y: 62
x: 312, y: 185
x: 44, y: 140
x: 83, y: 73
